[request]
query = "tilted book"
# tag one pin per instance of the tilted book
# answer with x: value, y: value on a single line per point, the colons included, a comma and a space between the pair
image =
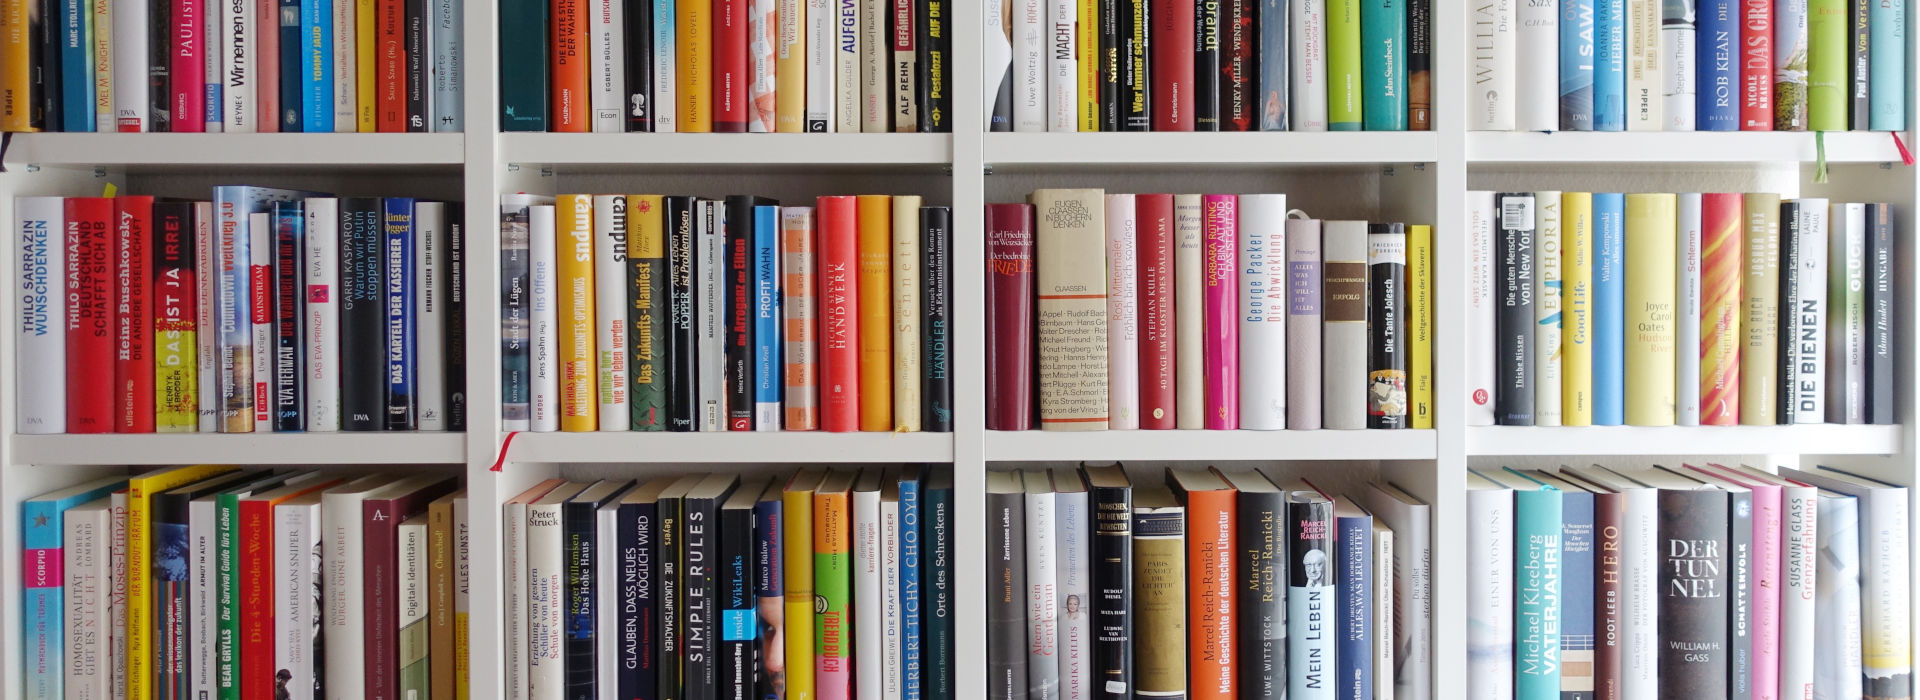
x: 1885, y: 627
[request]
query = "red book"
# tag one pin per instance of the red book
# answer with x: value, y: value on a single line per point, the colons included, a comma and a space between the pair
x: 256, y: 584
x: 1154, y: 214
x: 570, y: 57
x: 731, y: 70
x: 132, y: 329
x: 1237, y: 66
x: 1171, y: 39
x: 1210, y: 567
x: 839, y: 314
x: 382, y: 513
x: 91, y: 295
x: 189, y: 87
x: 389, y: 65
x: 1011, y: 323
x: 266, y: 72
x: 1756, y: 65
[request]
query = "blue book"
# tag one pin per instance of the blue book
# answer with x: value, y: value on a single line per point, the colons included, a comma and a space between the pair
x: 1275, y: 98
x: 664, y: 53
x: 316, y: 81
x: 910, y: 653
x: 1383, y: 60
x: 215, y: 119
x: 43, y: 591
x: 1887, y: 65
x: 1716, y: 101
x: 1577, y: 557
x: 936, y: 576
x: 293, y: 52
x: 1609, y: 309
x: 1537, y: 529
x: 1353, y: 555
x: 401, y: 413
x: 1610, y: 65
x: 1576, y: 65
x: 768, y: 377
x: 76, y: 66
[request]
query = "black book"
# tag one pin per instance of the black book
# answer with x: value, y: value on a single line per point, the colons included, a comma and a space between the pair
x: 1133, y: 66
x: 1387, y: 383
x: 363, y: 314
x: 456, y: 333
x: 936, y: 319
x: 1740, y: 554
x: 1860, y: 109
x: 770, y: 588
x: 43, y: 20
x: 1788, y: 339
x: 1006, y: 587
x: 1420, y: 63
x: 640, y: 106
x: 419, y: 56
x: 937, y: 572
x: 639, y: 635
x: 683, y: 367
x: 1693, y: 659
x: 1239, y: 40
x: 1880, y: 300
x: 292, y: 67
x: 160, y: 46
x: 515, y: 326
x: 699, y: 582
x: 734, y: 572
x: 1112, y: 34
x: 582, y: 542
x: 738, y: 283
x: 932, y: 42
x: 646, y: 323
x: 1262, y: 579
x: 1111, y: 495
x: 289, y: 318
x: 669, y: 555
x: 1513, y: 325
x: 1206, y: 65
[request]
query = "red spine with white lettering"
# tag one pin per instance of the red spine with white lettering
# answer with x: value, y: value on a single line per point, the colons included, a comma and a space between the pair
x: 839, y: 315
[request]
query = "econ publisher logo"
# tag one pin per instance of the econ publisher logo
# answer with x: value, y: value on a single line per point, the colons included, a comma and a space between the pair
x: 1480, y: 397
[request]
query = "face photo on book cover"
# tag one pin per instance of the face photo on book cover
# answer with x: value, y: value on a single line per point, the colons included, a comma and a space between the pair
x: 1313, y: 570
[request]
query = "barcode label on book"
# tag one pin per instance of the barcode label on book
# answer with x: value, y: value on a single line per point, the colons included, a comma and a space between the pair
x: 1516, y: 213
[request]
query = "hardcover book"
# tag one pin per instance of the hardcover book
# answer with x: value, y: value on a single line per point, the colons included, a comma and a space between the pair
x: 1387, y: 385
x: 1160, y: 593
x: 1070, y: 234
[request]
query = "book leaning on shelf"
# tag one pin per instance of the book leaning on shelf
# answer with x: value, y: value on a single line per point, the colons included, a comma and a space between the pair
x: 263, y: 310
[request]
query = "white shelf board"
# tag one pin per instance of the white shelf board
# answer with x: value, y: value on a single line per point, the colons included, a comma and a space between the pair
x: 1645, y: 147
x: 242, y: 448
x: 1221, y: 148
x: 782, y: 446
x: 726, y: 149
x: 1211, y: 445
x: 278, y: 150
x: 1691, y: 440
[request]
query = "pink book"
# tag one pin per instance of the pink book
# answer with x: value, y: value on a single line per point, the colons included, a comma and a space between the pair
x: 1123, y: 315
x: 1769, y: 510
x: 266, y: 61
x: 189, y: 87
x: 1220, y: 310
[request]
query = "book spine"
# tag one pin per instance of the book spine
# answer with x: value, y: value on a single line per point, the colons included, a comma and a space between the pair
x: 87, y: 580
x: 840, y: 320
x: 175, y: 400
x: 1110, y: 19
x: 1112, y: 557
x: 1538, y: 524
x: 289, y: 400
x: 1536, y: 103
x: 1880, y: 300
x: 796, y: 572
x: 1760, y: 320
x: 1208, y: 65
x: 1827, y: 88
x: 1490, y: 595
x: 118, y: 596
x: 448, y: 92
x: 682, y: 364
x: 1495, y: 48
x: 1838, y: 666
x: 1809, y: 319
x: 571, y: 86
x: 1609, y: 650
x: 1261, y: 578
x: 207, y: 340
x: 1211, y: 519
x: 523, y: 61
x: 875, y: 108
x: 693, y: 61
x: 102, y: 67
x: 1610, y: 65
x: 1846, y: 314
x: 936, y: 318
x: 1609, y: 309
x: 438, y: 604
x: 1797, y: 631
x: 1693, y: 527
x: 90, y: 324
x: 1887, y: 66
x: 1344, y: 49
x: 515, y: 317
x: 768, y: 601
x: 1547, y: 290
x: 133, y: 330
x: 580, y: 547
x: 822, y: 66
x: 182, y: 86
x: 1386, y: 387
x: 937, y: 643
x: 1263, y: 314
x: 637, y: 106
x: 363, y: 314
x: 1717, y: 38
x: 1354, y: 598
x: 832, y: 585
x: 546, y: 591
x: 432, y: 315
x: 1220, y: 334
x: 296, y: 603
x: 1160, y: 585
x: 1155, y: 242
x: 1644, y: 98
x: 1237, y: 65
x: 767, y: 365
x: 1304, y: 307
x: 1010, y: 320
x: 904, y: 64
x: 1072, y: 308
x: 1043, y: 542
x: 1006, y: 600
x: 1790, y: 65
x: 710, y: 294
x: 611, y: 224
x: 1123, y: 321
x: 1687, y: 310
x: 1172, y: 42
x: 1311, y: 595
x: 43, y: 313
x: 638, y: 661
x: 1678, y: 44
x: 931, y: 78
x: 905, y: 326
x: 762, y: 102
x: 800, y: 324
x: 1576, y: 59
x: 576, y: 287
x: 1789, y: 355
x: 1088, y: 60
x: 261, y: 249
x: 607, y: 73
x: 366, y: 80
x: 1756, y: 65
x: 1073, y: 572
x: 1188, y: 302
x: 670, y: 556
x: 320, y: 282
x: 1575, y: 395
x: 1343, y: 331
x: 1273, y: 56
x: 1649, y: 363
x: 735, y: 603
x: 731, y: 71
x: 315, y: 48
x: 1720, y: 332
x: 254, y: 644
x: 543, y: 394
x: 401, y: 322
x: 1481, y: 309
x: 75, y: 56
x: 875, y: 305
x: 664, y: 101
x: 131, y: 55
x: 788, y: 36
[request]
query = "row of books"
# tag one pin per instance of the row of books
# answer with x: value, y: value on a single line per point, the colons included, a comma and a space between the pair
x: 726, y: 66
x: 262, y: 310
x: 1700, y: 582
x: 1679, y: 309
x: 1216, y: 586
x: 240, y: 66
x: 650, y: 312
x: 833, y: 584
x: 1711, y: 65
x: 210, y: 582
x: 1217, y: 312
x: 1233, y: 65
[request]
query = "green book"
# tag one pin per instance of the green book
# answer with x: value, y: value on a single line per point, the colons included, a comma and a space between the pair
x: 523, y: 65
x: 1383, y: 58
x: 646, y: 312
x: 833, y: 585
x: 1343, y: 66
x: 415, y: 671
x: 1827, y: 65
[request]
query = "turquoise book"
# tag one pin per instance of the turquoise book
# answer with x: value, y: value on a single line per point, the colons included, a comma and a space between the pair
x: 1887, y: 65
x: 1537, y: 532
x: 76, y: 66
x: 1383, y: 64
x: 1577, y: 559
x: 1576, y: 65
x: 1609, y: 65
x: 1609, y: 308
x: 43, y: 599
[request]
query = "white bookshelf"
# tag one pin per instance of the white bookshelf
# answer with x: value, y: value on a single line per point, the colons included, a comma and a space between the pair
x: 1418, y: 177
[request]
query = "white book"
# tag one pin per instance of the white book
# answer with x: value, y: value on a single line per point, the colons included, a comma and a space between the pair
x: 514, y: 630
x: 131, y: 85
x: 547, y: 594
x: 876, y: 61
x: 1189, y: 372
x: 1480, y: 308
x: 346, y: 57
x: 207, y: 351
x: 1847, y: 313
x: 1677, y: 61
x: 1263, y: 311
x: 846, y: 66
x: 1640, y: 579
x: 606, y: 597
x: 710, y: 318
x: 87, y: 571
x: 1489, y: 590
x: 665, y: 75
x: 1309, y: 80
x: 822, y: 69
x: 544, y: 318
x: 1645, y: 86
x: 296, y: 592
x: 344, y: 601
x: 607, y: 41
x: 261, y: 243
x: 1838, y: 666
x: 1411, y: 593
x: 322, y: 334
x: 462, y: 586
x: 610, y: 308
x: 999, y: 58
x: 764, y: 33
x: 1546, y: 308
x: 1490, y: 102
x: 1385, y: 612
x: 1063, y: 68
x: 41, y: 293
x: 415, y: 591
x: 1074, y: 642
x: 203, y: 539
x: 1536, y: 99
x: 1303, y: 322
x: 1043, y: 589
x: 892, y: 684
x: 1344, y: 343
x: 905, y: 280
x: 1886, y: 567
x: 867, y: 629
x: 1030, y: 65
x: 1799, y: 550
x: 1123, y: 314
x: 430, y: 313
x: 1808, y: 381
x: 1687, y: 308
x: 239, y: 39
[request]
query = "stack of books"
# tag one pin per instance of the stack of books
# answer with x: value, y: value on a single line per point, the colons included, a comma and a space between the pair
x: 1679, y: 309
x: 261, y: 310
x: 831, y: 584
x: 1700, y: 582
x: 207, y: 581
x: 1216, y: 312
x: 1218, y: 585
x: 650, y: 312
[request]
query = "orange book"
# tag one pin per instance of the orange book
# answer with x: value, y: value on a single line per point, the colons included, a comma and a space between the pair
x: 570, y: 60
x: 694, y: 60
x: 1210, y: 574
x: 16, y: 59
x: 876, y: 312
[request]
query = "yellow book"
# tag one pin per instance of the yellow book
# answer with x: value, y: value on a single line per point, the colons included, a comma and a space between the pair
x: 573, y: 224
x: 1652, y: 241
x: 790, y: 72
x: 1760, y: 318
x: 1087, y: 49
x: 16, y: 57
x: 364, y: 35
x: 1420, y: 320
x: 875, y: 212
x: 140, y: 612
x: 462, y: 598
x: 1576, y: 326
x: 797, y: 507
x: 693, y: 58
x: 906, y: 313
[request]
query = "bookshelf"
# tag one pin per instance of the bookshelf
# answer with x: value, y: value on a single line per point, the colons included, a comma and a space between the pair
x: 1411, y: 176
